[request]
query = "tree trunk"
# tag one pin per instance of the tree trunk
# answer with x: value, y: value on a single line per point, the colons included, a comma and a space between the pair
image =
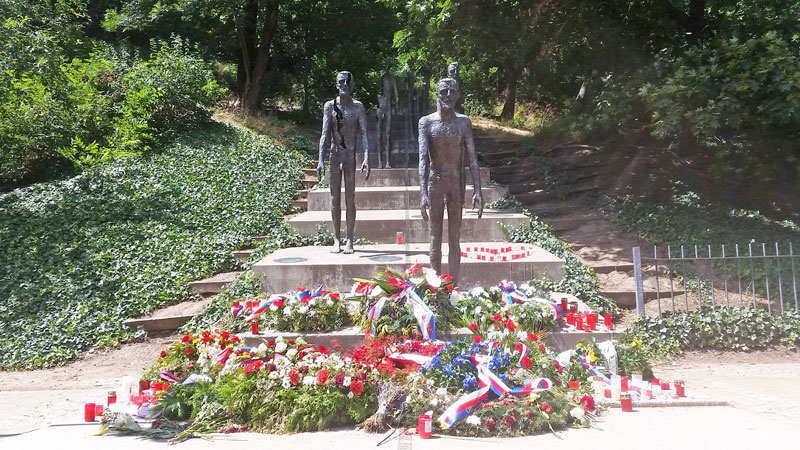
x: 251, y: 96
x: 512, y: 72
x: 246, y: 35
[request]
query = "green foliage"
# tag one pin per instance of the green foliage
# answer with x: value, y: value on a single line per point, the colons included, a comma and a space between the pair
x: 80, y: 256
x: 723, y: 328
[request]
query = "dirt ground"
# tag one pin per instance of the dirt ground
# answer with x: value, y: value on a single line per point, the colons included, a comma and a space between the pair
x: 762, y: 382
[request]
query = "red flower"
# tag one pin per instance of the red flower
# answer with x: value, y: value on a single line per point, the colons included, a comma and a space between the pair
x: 477, y: 339
x: 450, y: 287
x: 322, y: 376
x: 356, y: 387
x: 541, y: 347
x: 206, y: 339
x: 532, y: 337
x: 303, y: 369
x: 490, y: 424
x: 270, y: 343
x: 235, y: 339
x: 528, y: 413
x: 446, y: 277
x: 587, y: 401
x: 225, y: 335
x: 339, y: 379
x: 558, y: 367
x: 253, y: 366
x: 526, y: 362
x: 509, y: 420
x: 163, y: 354
x: 294, y: 377
x: 546, y: 408
x: 474, y: 326
x: 335, y: 344
x: 510, y: 325
x: 188, y: 350
x: 278, y: 303
x: 334, y: 296
x: 324, y: 350
x: 496, y: 317
x: 186, y: 338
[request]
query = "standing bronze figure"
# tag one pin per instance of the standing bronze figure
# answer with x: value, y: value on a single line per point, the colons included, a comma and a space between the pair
x: 445, y: 137
x: 343, y: 118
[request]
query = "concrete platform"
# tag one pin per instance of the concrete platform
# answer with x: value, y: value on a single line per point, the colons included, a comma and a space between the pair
x: 393, y: 197
x: 289, y: 268
x: 383, y: 225
x: 405, y: 177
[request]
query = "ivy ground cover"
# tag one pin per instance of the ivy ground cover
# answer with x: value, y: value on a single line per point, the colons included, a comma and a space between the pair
x: 79, y: 256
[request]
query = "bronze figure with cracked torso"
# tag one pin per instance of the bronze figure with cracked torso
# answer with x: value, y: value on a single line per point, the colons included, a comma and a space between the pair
x: 445, y: 138
x: 344, y: 121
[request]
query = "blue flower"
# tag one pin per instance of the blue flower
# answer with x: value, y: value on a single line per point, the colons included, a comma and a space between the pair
x: 503, y: 377
x: 469, y: 380
x: 448, y: 370
x: 435, y: 361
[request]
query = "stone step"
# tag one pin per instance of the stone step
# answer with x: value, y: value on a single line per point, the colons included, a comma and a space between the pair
x: 627, y: 299
x: 404, y: 177
x: 383, y: 225
x: 300, y: 203
x: 244, y: 254
x: 288, y: 268
x: 392, y: 197
x: 160, y: 323
x: 215, y: 284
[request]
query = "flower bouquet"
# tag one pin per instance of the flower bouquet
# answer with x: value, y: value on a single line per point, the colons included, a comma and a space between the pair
x: 487, y: 307
x: 303, y: 310
x: 415, y: 302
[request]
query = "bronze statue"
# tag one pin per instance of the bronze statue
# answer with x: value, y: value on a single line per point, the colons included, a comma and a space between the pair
x: 445, y: 137
x: 452, y: 72
x: 384, y: 116
x: 342, y: 119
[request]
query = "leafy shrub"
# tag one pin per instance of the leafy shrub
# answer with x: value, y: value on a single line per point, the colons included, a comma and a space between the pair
x: 78, y: 257
x: 724, y: 328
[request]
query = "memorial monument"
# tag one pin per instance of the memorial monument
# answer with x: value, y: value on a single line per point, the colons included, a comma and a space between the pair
x: 445, y: 138
x: 452, y: 72
x: 344, y: 120
x: 384, y: 116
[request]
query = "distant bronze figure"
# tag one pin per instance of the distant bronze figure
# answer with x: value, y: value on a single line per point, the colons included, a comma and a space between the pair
x: 452, y: 72
x: 385, y: 117
x: 343, y: 118
x: 445, y: 137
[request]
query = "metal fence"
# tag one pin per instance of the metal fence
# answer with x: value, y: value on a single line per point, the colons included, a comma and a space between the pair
x: 694, y: 277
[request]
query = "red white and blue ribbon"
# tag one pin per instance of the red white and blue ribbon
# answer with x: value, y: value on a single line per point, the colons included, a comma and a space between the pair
x: 236, y: 310
x: 266, y: 304
x: 511, y: 294
x: 304, y: 295
x: 419, y: 360
x: 425, y: 317
x: 487, y: 382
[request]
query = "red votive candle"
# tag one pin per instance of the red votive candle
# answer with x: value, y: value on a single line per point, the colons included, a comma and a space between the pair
x: 88, y: 412
x: 656, y: 382
x: 664, y: 386
x: 564, y: 305
x: 607, y: 393
x: 98, y: 409
x: 570, y: 318
x: 579, y: 322
x: 623, y: 383
x: 399, y: 237
x: 254, y: 327
x: 573, y: 307
x: 607, y: 321
x: 625, y: 402
x: 424, y: 426
x: 111, y: 398
x: 680, y: 389
x: 143, y: 385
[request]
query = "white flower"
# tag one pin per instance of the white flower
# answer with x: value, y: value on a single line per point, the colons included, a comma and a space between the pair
x: 261, y: 350
x: 273, y: 308
x: 347, y: 381
x: 477, y: 310
x: 376, y: 292
x: 287, y: 311
x: 329, y: 302
x: 308, y: 380
x: 521, y: 335
x: 280, y: 346
x: 476, y: 291
x: 291, y: 353
x: 433, y: 279
x: 312, y: 302
x: 473, y: 420
x: 441, y: 392
x: 494, y: 289
x: 286, y: 383
x: 415, y: 281
x: 274, y: 374
x: 300, y: 341
x: 577, y: 412
x: 434, y: 401
x: 302, y: 309
x: 350, y: 394
x: 279, y: 339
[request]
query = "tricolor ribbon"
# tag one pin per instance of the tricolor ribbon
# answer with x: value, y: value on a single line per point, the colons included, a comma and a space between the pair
x: 405, y: 358
x: 511, y: 294
x: 524, y: 351
x: 304, y: 295
x: 487, y: 382
x: 424, y: 315
x: 264, y: 305
x: 236, y: 310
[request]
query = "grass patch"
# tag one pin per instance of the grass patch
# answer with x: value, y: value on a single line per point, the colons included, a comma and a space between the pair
x: 79, y: 256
